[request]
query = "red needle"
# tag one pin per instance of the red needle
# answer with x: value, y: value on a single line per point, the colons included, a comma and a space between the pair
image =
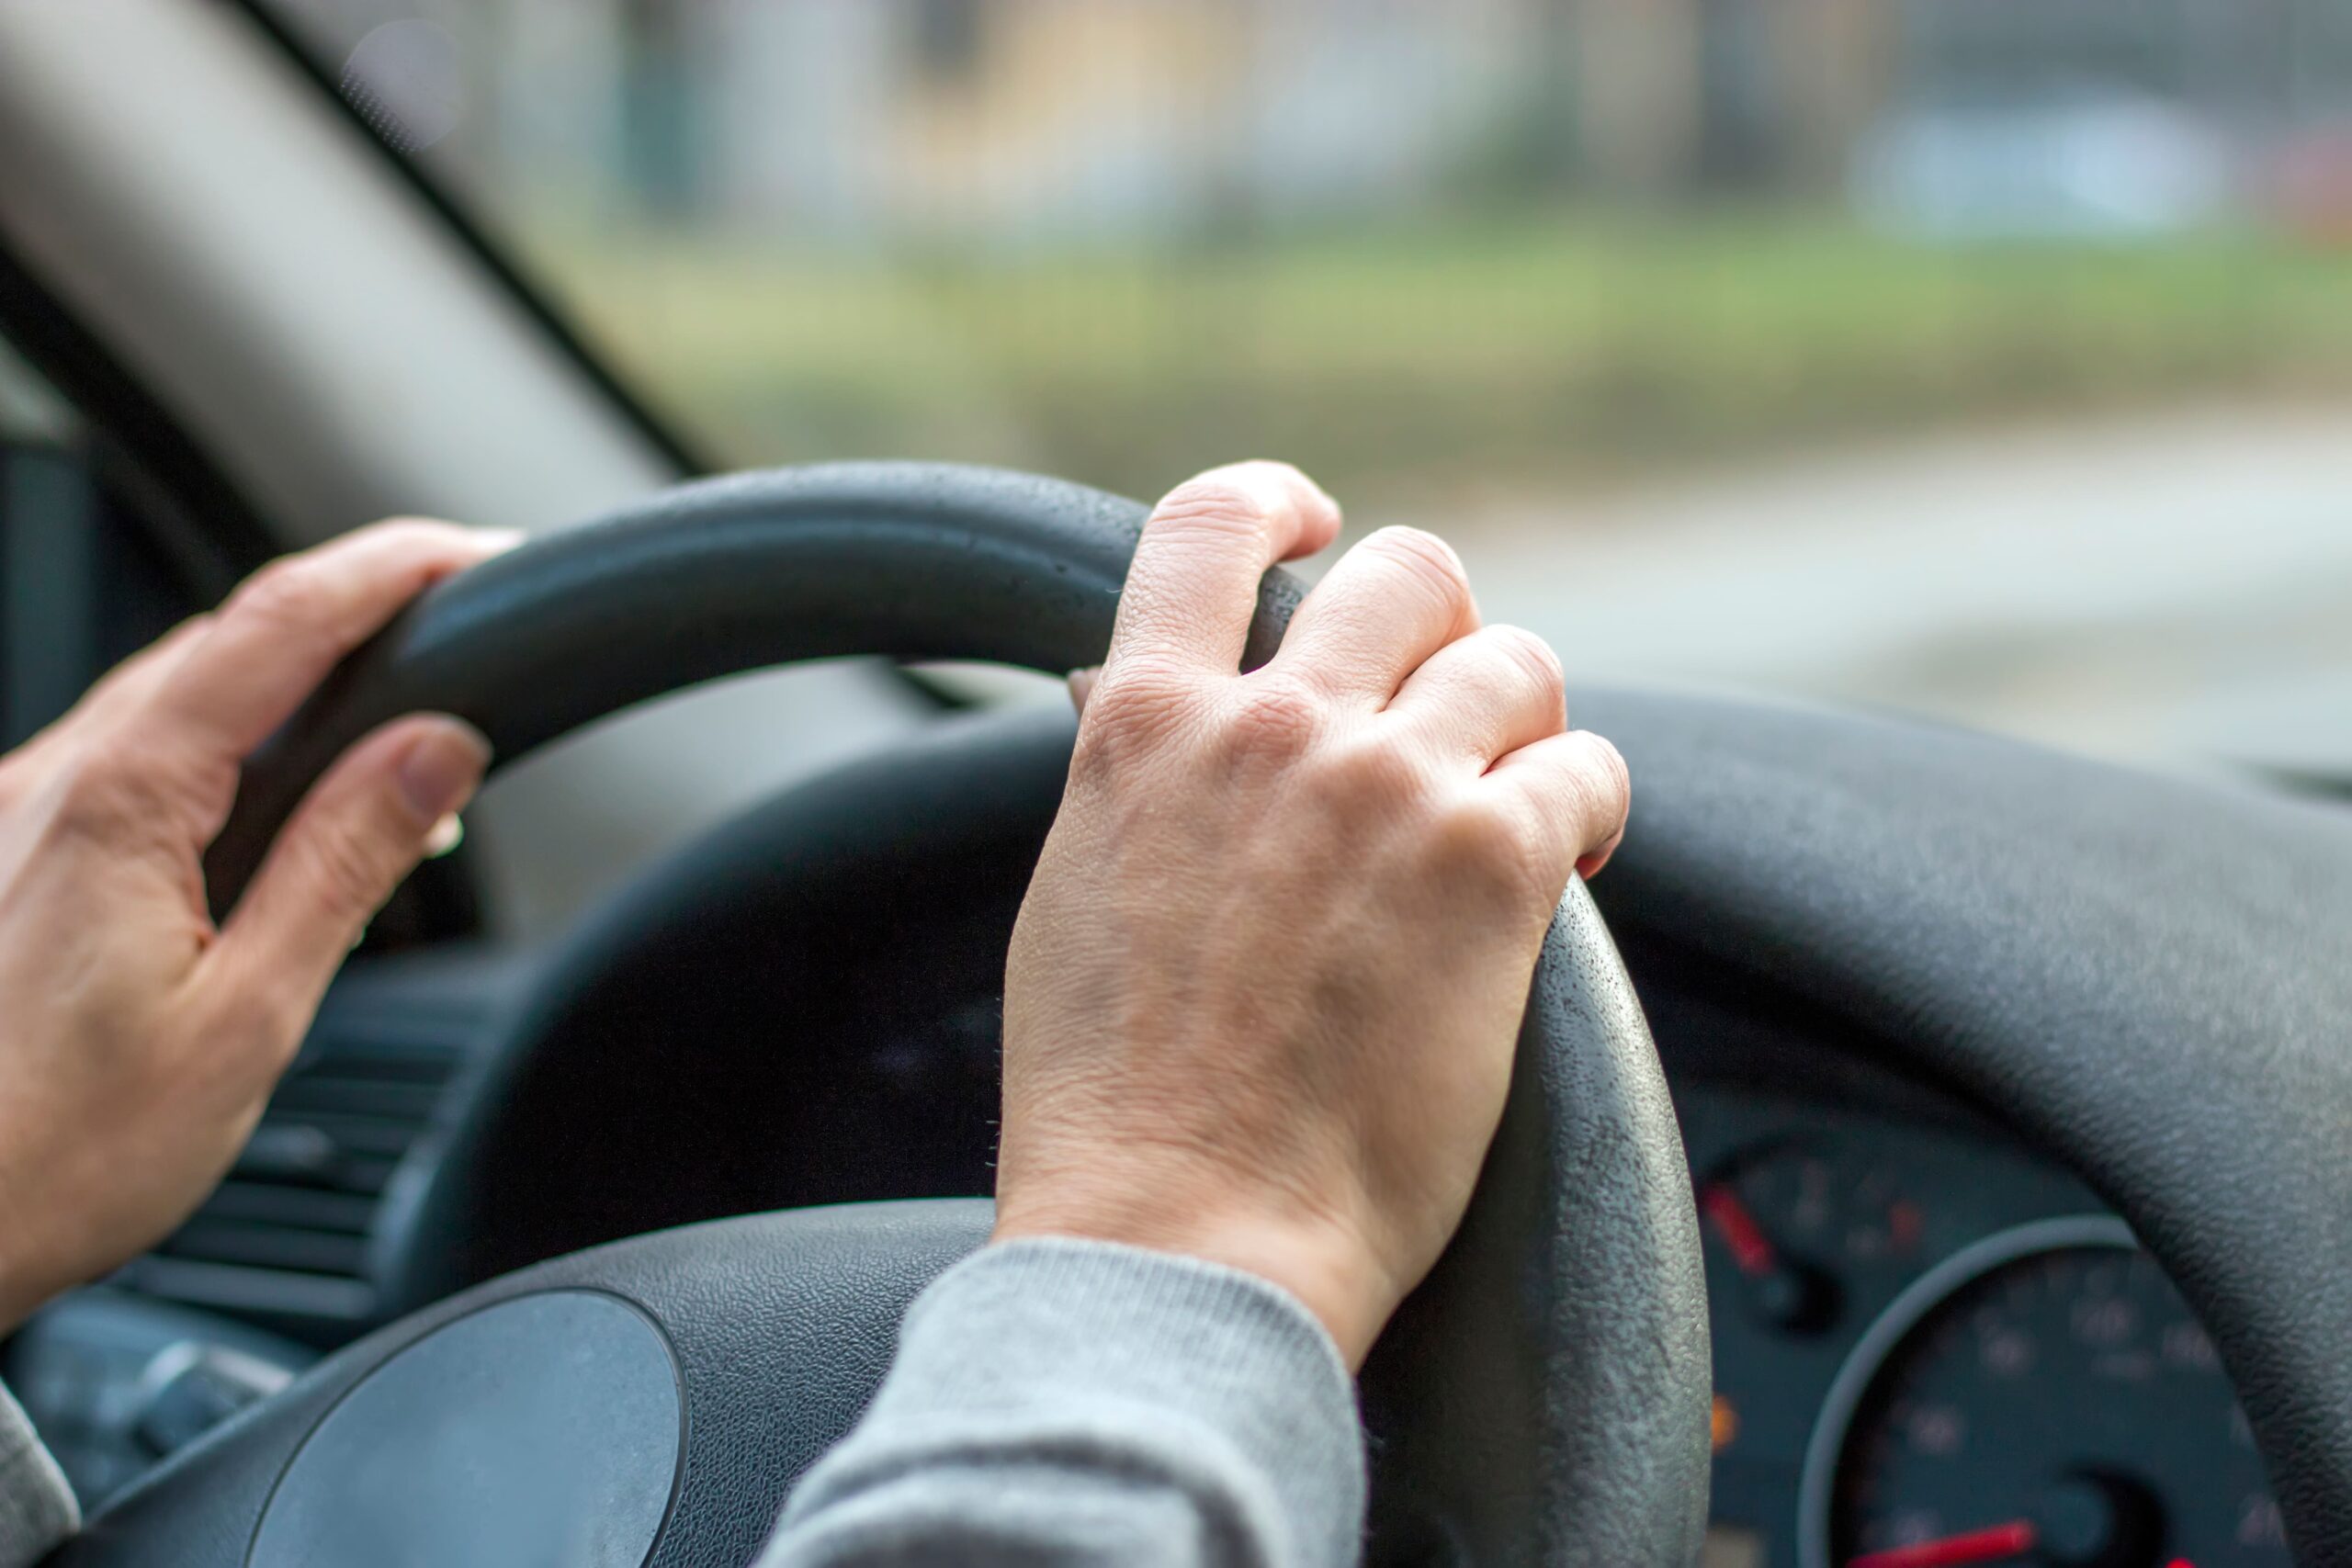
x: 1729, y: 1216
x: 1990, y: 1545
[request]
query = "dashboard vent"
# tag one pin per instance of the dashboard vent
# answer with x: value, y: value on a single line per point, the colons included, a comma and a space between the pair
x: 285, y: 1240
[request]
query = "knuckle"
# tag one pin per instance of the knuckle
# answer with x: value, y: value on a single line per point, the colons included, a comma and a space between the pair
x: 113, y: 796
x: 1425, y: 556
x: 1585, y: 805
x: 1131, y: 708
x: 344, y: 872
x: 1372, y: 775
x: 1271, y: 719
x: 1608, y: 782
x: 95, y: 800
x: 421, y: 528
x: 1535, y: 660
x: 1215, y: 502
x: 1265, y: 470
x: 289, y: 595
x: 404, y: 537
x: 1496, y: 838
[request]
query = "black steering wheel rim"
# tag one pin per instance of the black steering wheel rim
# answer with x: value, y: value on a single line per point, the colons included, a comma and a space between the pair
x: 1542, y: 1398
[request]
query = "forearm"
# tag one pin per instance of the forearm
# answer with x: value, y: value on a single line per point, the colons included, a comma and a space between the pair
x: 1070, y: 1403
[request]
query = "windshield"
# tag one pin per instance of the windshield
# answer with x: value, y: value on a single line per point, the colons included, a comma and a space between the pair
x: 1991, y: 358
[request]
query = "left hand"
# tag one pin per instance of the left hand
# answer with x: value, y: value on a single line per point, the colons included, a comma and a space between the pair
x: 136, y: 1042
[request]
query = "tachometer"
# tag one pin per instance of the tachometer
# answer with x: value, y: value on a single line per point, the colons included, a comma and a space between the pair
x: 2042, y: 1398
x: 1801, y: 1224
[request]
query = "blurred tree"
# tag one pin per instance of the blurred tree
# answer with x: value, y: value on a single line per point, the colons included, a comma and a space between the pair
x: 661, y: 107
x: 1638, y: 94
x: 947, y: 37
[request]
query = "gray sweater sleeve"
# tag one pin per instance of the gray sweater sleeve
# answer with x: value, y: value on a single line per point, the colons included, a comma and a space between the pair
x: 37, y: 1507
x: 1071, y: 1403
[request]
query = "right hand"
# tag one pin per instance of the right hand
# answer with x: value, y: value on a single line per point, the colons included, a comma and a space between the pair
x: 139, y: 1041
x: 1264, y: 990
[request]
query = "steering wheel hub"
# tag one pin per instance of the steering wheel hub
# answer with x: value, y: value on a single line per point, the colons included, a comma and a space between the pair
x: 545, y: 1428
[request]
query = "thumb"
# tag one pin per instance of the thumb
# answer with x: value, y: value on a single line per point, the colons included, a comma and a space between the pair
x: 362, y: 827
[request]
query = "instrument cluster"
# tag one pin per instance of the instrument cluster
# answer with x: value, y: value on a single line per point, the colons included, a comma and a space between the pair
x: 1932, y: 1350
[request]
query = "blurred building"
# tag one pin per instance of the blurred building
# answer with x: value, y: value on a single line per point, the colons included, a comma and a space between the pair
x: 1011, y: 119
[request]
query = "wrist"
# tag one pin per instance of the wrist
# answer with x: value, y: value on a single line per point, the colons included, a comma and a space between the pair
x: 1318, y: 1263
x: 29, y: 1277
x: 24, y: 1289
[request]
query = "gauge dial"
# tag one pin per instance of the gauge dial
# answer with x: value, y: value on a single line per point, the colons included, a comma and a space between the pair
x: 2042, y: 1398
x: 1797, y: 1223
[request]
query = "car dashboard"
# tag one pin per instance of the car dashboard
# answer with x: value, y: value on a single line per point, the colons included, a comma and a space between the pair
x: 1931, y: 1347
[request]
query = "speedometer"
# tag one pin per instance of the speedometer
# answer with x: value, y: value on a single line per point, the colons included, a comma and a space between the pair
x: 2043, y: 1399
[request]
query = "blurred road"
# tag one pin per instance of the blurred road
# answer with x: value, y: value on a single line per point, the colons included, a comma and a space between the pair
x: 2175, y: 587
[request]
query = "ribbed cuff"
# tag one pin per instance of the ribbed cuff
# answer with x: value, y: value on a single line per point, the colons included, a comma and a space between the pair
x: 37, y: 1505
x: 1048, y: 1326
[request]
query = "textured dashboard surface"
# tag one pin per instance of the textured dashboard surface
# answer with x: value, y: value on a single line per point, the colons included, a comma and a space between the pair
x: 2148, y: 978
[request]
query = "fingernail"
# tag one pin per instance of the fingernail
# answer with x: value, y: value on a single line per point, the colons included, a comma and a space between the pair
x: 446, y: 835
x: 443, y: 767
x: 1081, y: 685
x: 498, y: 541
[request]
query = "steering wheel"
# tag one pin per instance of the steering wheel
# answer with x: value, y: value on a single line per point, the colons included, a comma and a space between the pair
x: 1541, y: 1398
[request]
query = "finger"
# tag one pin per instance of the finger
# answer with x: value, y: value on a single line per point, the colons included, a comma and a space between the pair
x: 362, y: 827
x: 1193, y: 587
x: 1385, y: 607
x: 279, y: 634
x: 123, y: 688
x: 1577, y: 787
x: 1589, y: 864
x: 1484, y: 696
